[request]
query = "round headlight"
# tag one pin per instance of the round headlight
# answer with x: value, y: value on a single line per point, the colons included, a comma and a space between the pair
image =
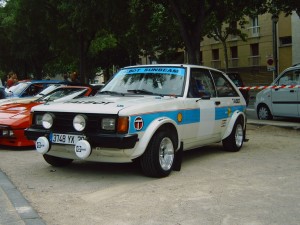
x: 47, y: 120
x: 79, y: 122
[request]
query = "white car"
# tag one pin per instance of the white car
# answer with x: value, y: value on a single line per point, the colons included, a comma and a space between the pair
x: 46, y: 91
x: 146, y: 113
x: 282, y: 99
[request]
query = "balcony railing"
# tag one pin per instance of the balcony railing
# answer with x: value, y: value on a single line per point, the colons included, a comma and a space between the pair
x: 216, y: 64
x: 233, y: 63
x: 254, y: 60
x: 253, y: 31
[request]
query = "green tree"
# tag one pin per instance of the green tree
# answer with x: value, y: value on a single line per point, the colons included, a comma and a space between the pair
x: 225, y: 22
x: 25, y: 44
x: 154, y: 31
x: 194, y: 18
x: 287, y: 6
x: 42, y: 35
x: 85, y: 28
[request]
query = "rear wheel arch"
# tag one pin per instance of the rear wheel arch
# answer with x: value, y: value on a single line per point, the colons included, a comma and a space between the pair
x: 235, y: 140
x: 236, y: 116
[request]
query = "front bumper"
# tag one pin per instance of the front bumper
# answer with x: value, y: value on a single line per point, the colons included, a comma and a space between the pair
x: 120, y: 141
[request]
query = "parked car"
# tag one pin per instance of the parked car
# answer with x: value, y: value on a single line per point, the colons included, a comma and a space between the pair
x: 146, y: 113
x: 15, y: 117
x: 29, y: 88
x: 283, y: 100
x: 2, y: 90
x: 237, y: 80
x: 47, y: 90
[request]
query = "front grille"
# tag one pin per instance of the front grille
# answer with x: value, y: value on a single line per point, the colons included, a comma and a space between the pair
x: 63, y: 122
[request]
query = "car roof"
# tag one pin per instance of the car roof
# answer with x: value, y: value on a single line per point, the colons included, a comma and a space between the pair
x: 171, y: 65
x: 44, y: 81
x: 295, y: 66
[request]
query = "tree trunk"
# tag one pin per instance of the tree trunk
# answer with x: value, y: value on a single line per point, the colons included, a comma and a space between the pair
x: 82, y: 59
x: 191, y: 33
x: 193, y: 50
x: 225, y: 54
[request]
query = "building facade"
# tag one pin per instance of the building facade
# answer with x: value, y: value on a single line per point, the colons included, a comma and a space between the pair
x: 254, y: 58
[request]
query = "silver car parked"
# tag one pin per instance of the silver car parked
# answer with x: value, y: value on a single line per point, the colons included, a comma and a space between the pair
x: 282, y: 99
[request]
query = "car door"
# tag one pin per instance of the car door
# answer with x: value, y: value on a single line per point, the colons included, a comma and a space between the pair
x: 285, y: 100
x: 201, y: 99
x: 227, y: 101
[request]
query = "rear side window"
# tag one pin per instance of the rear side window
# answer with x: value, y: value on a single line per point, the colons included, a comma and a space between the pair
x: 223, y: 86
x: 236, y: 80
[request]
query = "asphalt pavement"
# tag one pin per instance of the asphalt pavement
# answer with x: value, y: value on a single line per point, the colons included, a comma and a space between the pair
x: 16, y: 210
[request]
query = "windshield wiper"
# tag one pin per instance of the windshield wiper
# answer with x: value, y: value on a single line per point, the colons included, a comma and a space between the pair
x: 110, y: 93
x: 141, y: 91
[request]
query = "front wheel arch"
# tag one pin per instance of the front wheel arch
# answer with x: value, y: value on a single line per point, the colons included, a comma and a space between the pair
x: 159, y: 156
x: 264, y: 112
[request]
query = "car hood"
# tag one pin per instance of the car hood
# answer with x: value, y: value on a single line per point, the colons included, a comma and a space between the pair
x: 104, y: 104
x: 17, y: 100
x: 16, y: 110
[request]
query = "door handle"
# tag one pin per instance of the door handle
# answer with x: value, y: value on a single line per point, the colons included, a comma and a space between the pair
x: 292, y: 90
x: 217, y: 103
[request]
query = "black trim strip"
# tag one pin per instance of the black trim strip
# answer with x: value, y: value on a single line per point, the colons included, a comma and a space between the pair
x: 292, y: 102
x: 120, y: 141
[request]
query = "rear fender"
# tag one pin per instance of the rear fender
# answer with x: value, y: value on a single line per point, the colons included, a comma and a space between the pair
x: 235, y: 116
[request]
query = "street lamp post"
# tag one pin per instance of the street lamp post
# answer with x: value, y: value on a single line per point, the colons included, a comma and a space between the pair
x: 275, y: 55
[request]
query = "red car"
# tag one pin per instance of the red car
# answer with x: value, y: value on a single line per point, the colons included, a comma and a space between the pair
x: 15, y: 117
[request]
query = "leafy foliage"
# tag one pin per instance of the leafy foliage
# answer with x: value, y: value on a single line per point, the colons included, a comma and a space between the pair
x: 57, y: 36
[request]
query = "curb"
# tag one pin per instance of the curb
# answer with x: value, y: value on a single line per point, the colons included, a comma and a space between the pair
x: 14, y: 208
x: 292, y: 125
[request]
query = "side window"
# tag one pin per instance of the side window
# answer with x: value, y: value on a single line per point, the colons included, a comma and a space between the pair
x: 201, y: 84
x: 223, y: 86
x: 289, y: 78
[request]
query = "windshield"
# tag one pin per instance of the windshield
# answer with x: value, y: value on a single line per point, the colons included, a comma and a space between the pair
x: 63, y: 92
x: 18, y: 88
x: 49, y: 89
x: 147, y: 81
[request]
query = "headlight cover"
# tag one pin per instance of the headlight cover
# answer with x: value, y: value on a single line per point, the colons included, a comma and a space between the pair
x: 47, y: 120
x: 79, y: 122
x: 108, y: 124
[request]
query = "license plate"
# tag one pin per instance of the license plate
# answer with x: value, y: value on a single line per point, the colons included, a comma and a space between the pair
x: 68, y: 139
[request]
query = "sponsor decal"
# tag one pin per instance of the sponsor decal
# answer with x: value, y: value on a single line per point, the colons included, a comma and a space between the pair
x: 159, y: 70
x: 90, y: 102
x: 138, y: 123
x: 179, y: 117
x: 229, y: 111
x: 80, y: 148
x: 39, y: 144
x: 236, y: 100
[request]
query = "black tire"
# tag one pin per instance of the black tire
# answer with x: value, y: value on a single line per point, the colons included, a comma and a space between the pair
x: 56, y: 161
x: 156, y: 161
x: 234, y: 142
x: 264, y: 113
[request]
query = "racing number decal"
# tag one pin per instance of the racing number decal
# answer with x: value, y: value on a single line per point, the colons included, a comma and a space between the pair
x: 138, y: 123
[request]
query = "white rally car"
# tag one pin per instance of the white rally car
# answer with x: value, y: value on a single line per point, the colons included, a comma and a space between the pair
x: 146, y: 113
